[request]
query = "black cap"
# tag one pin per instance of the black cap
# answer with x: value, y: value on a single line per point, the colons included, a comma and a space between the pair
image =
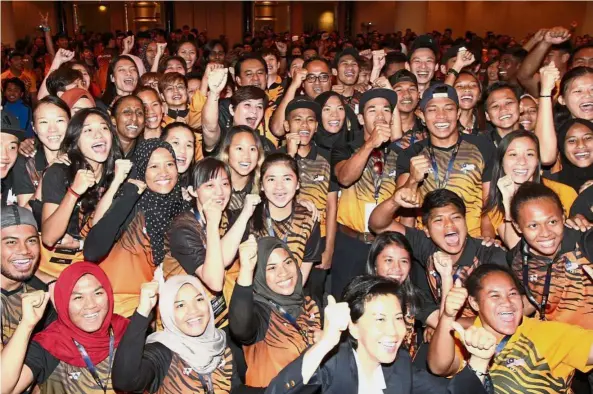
x: 438, y: 90
x: 424, y: 41
x: 403, y: 76
x: 387, y: 94
x: 348, y: 51
x: 303, y: 102
x: 10, y: 125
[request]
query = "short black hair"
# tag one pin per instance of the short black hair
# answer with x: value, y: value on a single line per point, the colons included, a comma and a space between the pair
x: 58, y: 80
x: 249, y: 56
x: 517, y: 52
x: 530, y: 191
x: 576, y: 50
x: 440, y: 198
x: 317, y: 59
x: 499, y: 85
x: 474, y: 284
x: 365, y: 288
x: 206, y: 170
x: 15, y: 81
x: 245, y: 93
x: 15, y: 54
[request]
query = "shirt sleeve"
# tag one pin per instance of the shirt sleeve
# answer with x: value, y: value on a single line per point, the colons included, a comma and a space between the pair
x: 583, y: 204
x: 569, y: 344
x: 186, y: 245
x: 40, y: 361
x: 422, y: 246
x: 313, y: 248
x: 55, y: 184
x: 402, y: 165
x: 487, y: 149
x: 248, y: 321
x: 22, y: 180
x: 339, y: 153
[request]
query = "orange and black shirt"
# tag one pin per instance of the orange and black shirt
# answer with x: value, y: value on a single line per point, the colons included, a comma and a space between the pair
x: 470, y: 160
x: 270, y: 342
x: 154, y: 368
x: 372, y: 188
x: 570, y: 297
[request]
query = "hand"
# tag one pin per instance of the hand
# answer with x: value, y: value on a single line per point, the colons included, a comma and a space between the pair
x: 63, y: 56
x: 367, y: 53
x: 317, y: 334
x: 128, y: 44
x: 407, y: 198
x: 336, y: 318
x: 585, y: 186
x: 139, y: 184
x: 217, y: 79
x: 185, y: 194
x: 44, y: 20
x: 68, y: 242
x: 122, y: 169
x: 27, y: 147
x: 539, y: 35
x: 378, y: 59
x: 549, y: 75
x: 282, y: 48
x: 443, y: 264
x: 83, y: 180
x: 63, y: 158
x: 464, y: 58
x: 419, y: 168
x: 381, y: 134
x: 579, y: 223
x: 310, y: 207
x: 478, y: 341
x: 248, y: 254
x: 362, y: 87
x: 557, y: 35
x: 455, y: 300
x: 382, y: 82
x: 326, y: 259
x: 338, y: 89
x: 507, y: 188
x: 489, y: 241
x: 160, y: 49
x: 251, y: 202
x: 212, y: 211
x: 293, y: 140
x: 33, y: 305
x: 148, y: 297
x: 428, y: 334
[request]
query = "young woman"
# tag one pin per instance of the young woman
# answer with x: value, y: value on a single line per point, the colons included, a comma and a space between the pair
x: 214, y: 52
x: 533, y: 356
x: 575, y: 143
x: 183, y: 140
x: 188, y: 51
x: 74, y: 354
x: 72, y: 193
x: 189, y: 355
x: 205, y: 240
x: 575, y: 90
x: 391, y: 257
x: 50, y: 121
x: 281, y: 216
x: 133, y: 230
x: 122, y: 79
x: 469, y: 91
x: 517, y: 161
x: 243, y: 152
x: 528, y: 111
x: 334, y: 126
x: 268, y: 313
x: 371, y: 360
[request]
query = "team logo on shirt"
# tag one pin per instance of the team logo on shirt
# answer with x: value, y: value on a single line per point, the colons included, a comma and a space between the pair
x: 467, y: 168
x: 515, y: 363
x: 392, y: 173
x: 74, y: 375
x: 319, y: 178
x: 572, y: 267
x: 187, y: 371
x: 533, y: 278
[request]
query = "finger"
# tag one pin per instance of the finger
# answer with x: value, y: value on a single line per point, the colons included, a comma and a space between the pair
x: 459, y: 329
x: 331, y: 300
x: 458, y: 283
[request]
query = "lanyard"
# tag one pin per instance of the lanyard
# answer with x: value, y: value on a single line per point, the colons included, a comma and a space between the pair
x: 439, y: 283
x: 270, y: 226
x: 89, y: 363
x: 547, y: 282
x: 206, y: 381
x: 287, y: 316
x: 502, y: 344
x: 435, y: 168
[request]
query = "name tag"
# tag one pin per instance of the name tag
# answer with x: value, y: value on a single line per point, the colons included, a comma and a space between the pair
x: 368, y: 209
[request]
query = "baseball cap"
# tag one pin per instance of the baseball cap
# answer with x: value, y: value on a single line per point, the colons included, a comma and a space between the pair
x: 424, y: 41
x: 387, y: 94
x: 348, y: 51
x: 10, y: 125
x: 403, y: 76
x: 303, y: 102
x: 13, y: 215
x: 438, y: 90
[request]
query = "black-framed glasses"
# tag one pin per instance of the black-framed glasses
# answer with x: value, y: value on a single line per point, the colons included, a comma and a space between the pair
x: 312, y: 78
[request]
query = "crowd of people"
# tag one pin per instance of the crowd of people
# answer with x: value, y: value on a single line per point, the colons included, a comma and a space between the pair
x: 293, y: 214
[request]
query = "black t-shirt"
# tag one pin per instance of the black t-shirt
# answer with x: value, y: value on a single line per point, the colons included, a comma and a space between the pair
x: 8, y: 196
x: 56, y: 181
x: 583, y: 204
x: 28, y: 171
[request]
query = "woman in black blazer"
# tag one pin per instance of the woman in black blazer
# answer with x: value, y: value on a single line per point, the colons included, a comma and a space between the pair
x: 370, y: 361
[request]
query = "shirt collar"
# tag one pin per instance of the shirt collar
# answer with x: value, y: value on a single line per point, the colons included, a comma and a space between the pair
x: 374, y: 385
x: 312, y: 153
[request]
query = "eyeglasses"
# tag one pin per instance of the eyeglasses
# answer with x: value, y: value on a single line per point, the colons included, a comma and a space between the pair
x: 312, y: 78
x: 377, y: 155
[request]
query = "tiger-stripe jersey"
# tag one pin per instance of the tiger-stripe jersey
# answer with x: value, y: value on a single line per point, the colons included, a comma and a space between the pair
x: 355, y: 201
x: 471, y: 168
x: 540, y: 357
x: 571, y: 291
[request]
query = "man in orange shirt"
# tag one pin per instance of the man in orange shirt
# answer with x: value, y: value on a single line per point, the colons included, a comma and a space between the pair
x: 17, y: 70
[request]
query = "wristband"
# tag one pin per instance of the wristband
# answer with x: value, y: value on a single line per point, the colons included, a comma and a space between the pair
x: 45, y: 29
x: 80, y: 244
x: 73, y: 193
x: 478, y: 373
x: 545, y: 95
x: 453, y: 71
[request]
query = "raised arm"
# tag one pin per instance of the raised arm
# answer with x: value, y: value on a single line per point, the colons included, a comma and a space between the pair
x: 544, y: 126
x: 277, y: 120
x: 217, y: 80
x: 383, y: 216
x: 122, y: 169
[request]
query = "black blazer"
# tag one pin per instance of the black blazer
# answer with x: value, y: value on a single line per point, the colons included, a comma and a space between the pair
x: 339, y: 375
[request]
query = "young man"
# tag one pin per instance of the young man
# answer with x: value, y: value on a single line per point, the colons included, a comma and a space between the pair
x: 448, y: 159
x: 20, y: 259
x: 502, y: 110
x: 510, y: 63
x: 10, y: 138
x: 17, y: 70
x: 394, y: 62
x: 128, y: 118
x: 444, y: 249
x: 14, y: 90
x: 582, y: 56
x: 469, y: 91
x: 302, y: 116
x: 365, y: 170
x: 346, y: 70
x: 405, y: 84
x: 422, y: 61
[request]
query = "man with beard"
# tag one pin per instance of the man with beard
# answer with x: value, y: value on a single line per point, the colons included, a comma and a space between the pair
x: 346, y: 69
x: 405, y: 85
x: 422, y: 61
x: 20, y: 258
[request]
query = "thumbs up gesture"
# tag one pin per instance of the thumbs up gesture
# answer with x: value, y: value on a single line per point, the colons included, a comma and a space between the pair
x: 478, y: 341
x: 455, y: 300
x: 337, y: 318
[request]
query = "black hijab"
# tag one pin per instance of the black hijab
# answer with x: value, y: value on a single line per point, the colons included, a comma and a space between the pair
x: 570, y: 174
x: 159, y: 209
x: 293, y: 303
x: 324, y: 138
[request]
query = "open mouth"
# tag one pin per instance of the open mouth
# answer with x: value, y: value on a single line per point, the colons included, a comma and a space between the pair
x: 467, y: 97
x: 396, y: 277
x: 582, y: 155
x: 132, y: 128
x: 244, y: 164
x: 422, y: 74
x: 406, y: 101
x: 442, y: 125
x: 152, y: 119
x: 55, y: 138
x: 452, y: 238
x: 587, y: 107
x: 181, y: 161
x: 546, y: 244
x: 389, y: 346
x: 304, y: 133
x: 507, y: 316
x: 91, y: 316
x: 129, y: 81
x: 504, y: 117
x: 520, y: 172
x: 334, y: 123
x: 99, y: 147
x: 163, y: 182
x: 194, y: 321
x: 177, y: 97
x: 22, y: 264
x: 525, y: 123
x: 251, y: 122
x: 284, y: 283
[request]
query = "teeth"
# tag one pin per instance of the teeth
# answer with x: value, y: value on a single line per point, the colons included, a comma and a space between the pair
x: 334, y: 123
x: 132, y: 127
x: 525, y: 122
x: 91, y: 316
x: 582, y: 155
x: 22, y: 261
x: 547, y: 244
x: 467, y: 97
x: 442, y: 125
x: 505, y: 117
x: 244, y: 164
x: 406, y: 101
x: 520, y: 172
x: 587, y: 106
x: 181, y: 160
x: 54, y: 138
x: 304, y: 133
x: 163, y: 182
x: 284, y: 283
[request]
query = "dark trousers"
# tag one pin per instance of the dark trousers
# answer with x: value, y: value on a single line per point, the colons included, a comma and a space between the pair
x: 349, y: 260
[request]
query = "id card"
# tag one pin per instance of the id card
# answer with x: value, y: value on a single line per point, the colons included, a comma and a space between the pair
x: 368, y: 209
